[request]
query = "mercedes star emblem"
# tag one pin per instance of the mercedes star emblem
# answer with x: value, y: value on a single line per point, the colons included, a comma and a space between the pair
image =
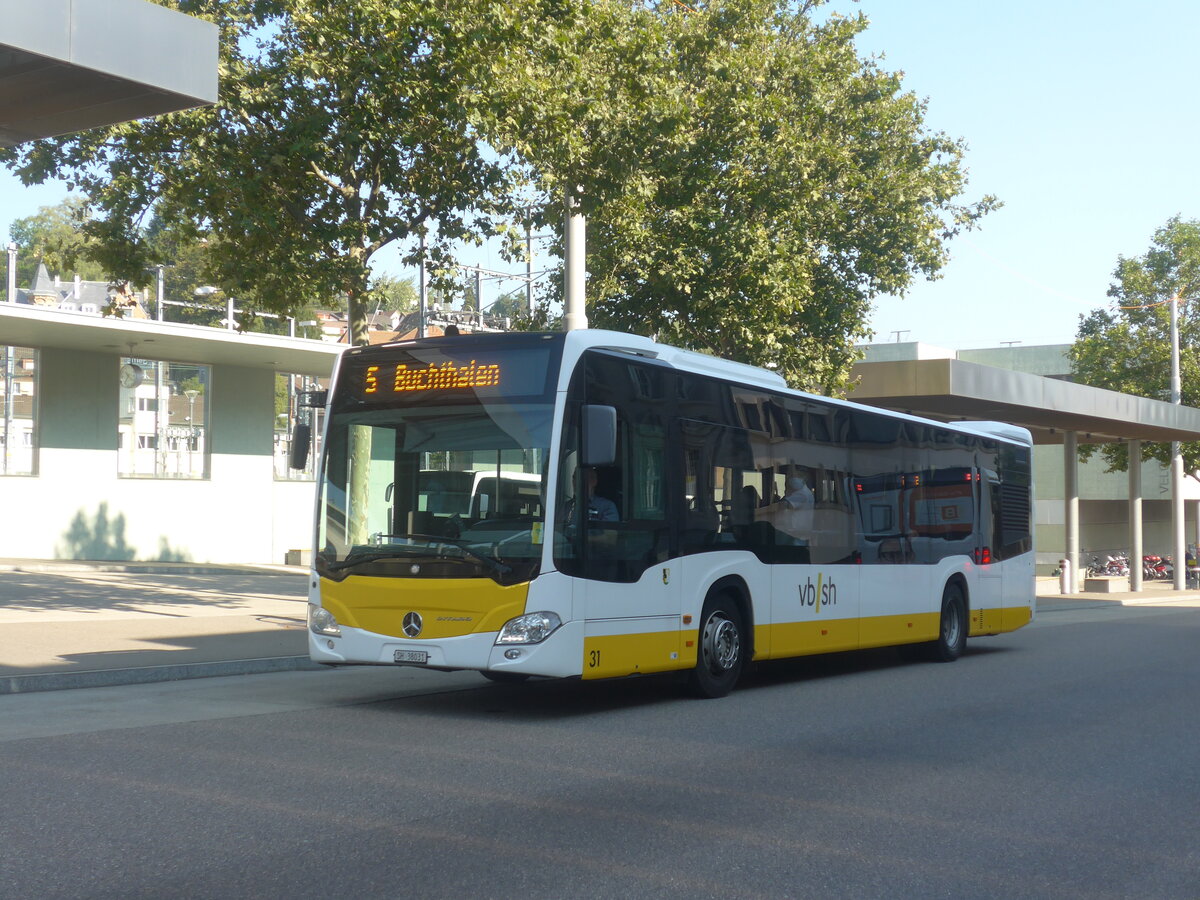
x: 412, y: 624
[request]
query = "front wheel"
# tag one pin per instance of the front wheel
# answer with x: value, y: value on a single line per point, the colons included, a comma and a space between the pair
x: 952, y: 635
x: 721, y: 654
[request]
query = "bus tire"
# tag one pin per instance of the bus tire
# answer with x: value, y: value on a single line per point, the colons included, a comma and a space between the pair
x: 721, y: 648
x: 505, y: 677
x: 952, y: 630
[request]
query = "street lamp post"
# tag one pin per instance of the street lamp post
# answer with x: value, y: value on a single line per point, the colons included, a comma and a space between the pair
x: 1177, y: 523
x: 208, y: 291
x: 191, y: 394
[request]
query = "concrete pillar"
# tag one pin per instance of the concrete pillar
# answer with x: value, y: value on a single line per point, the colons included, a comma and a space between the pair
x: 1135, y: 516
x: 1071, y: 503
x: 574, y: 266
x: 1178, y: 546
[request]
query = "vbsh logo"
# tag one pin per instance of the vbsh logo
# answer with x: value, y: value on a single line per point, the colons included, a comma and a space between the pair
x: 823, y: 593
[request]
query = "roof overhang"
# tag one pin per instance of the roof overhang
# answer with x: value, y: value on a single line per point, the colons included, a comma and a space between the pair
x: 70, y: 65
x: 950, y: 389
x: 29, y: 326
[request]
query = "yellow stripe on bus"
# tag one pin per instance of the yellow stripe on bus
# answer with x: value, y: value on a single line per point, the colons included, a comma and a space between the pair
x: 804, y: 638
x: 610, y: 656
x: 884, y: 631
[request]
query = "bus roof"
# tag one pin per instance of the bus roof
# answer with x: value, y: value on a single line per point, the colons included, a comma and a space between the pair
x: 578, y: 341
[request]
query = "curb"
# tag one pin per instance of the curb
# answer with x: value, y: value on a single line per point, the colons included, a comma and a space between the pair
x: 65, y: 681
x: 51, y: 567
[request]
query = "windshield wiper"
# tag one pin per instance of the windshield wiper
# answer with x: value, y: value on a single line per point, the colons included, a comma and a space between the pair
x: 368, y: 554
x: 371, y: 554
x: 465, y: 546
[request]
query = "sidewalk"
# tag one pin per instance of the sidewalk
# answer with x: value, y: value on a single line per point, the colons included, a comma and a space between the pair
x: 1153, y: 593
x: 75, y: 624
x: 81, y: 624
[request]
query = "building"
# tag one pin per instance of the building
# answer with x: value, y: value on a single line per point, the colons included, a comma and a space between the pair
x: 132, y: 438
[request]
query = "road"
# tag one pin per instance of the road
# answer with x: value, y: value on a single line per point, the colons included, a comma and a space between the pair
x: 1058, y: 761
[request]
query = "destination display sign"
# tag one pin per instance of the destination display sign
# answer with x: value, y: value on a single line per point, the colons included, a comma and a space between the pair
x: 404, y: 378
x: 504, y: 366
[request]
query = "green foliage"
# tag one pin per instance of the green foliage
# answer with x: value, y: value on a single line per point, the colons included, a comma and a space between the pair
x: 751, y: 184
x: 394, y: 294
x: 342, y: 127
x: 1128, y: 348
x: 54, y: 235
x: 282, y: 401
x: 513, y: 304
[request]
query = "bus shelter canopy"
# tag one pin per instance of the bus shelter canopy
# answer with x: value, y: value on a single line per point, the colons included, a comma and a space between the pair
x: 951, y: 389
x: 70, y: 65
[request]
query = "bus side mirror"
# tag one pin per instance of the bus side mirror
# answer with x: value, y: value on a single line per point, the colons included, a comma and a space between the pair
x: 599, y: 435
x: 301, y: 438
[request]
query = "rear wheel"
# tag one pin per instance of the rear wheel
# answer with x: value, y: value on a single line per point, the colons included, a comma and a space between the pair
x: 952, y: 635
x: 721, y: 653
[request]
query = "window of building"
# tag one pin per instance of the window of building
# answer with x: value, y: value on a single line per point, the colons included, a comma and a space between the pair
x: 291, y: 411
x: 18, y: 411
x: 163, y: 419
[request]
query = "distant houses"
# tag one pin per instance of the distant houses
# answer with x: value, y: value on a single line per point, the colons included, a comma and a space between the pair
x: 87, y: 297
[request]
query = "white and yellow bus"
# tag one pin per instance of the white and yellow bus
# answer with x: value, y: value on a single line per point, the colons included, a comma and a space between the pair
x: 740, y: 520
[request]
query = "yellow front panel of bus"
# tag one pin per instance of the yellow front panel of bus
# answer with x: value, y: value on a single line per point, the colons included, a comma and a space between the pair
x: 449, y: 607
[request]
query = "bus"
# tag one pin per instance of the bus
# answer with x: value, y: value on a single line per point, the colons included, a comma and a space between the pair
x: 456, y: 526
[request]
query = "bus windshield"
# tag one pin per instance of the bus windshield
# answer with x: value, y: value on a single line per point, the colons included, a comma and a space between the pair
x: 430, y: 472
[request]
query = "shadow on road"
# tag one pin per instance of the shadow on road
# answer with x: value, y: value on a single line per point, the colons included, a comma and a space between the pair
x: 546, y: 699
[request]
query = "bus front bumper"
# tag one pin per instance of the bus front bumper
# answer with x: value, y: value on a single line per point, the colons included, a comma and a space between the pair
x: 558, y: 656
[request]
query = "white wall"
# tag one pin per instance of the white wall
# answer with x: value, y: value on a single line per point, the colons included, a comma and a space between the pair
x: 76, y: 506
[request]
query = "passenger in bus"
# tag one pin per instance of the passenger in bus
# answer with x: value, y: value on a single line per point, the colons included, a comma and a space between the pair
x: 799, y: 499
x: 792, y: 514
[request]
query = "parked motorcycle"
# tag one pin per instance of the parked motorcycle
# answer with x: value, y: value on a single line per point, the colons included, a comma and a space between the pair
x: 1116, y: 565
x: 1157, y: 567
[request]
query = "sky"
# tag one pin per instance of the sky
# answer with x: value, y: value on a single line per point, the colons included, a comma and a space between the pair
x: 1079, y: 116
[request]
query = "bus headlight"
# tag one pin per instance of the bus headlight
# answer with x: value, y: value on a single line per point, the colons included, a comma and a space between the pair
x: 321, y: 621
x: 531, y: 628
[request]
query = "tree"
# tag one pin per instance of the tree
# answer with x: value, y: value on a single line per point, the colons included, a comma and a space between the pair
x: 343, y: 126
x: 1128, y: 348
x: 751, y: 185
x: 395, y: 294
x: 511, y: 304
x: 54, y: 235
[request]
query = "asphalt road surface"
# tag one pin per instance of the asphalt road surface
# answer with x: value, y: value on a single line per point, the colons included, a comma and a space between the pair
x: 1058, y: 761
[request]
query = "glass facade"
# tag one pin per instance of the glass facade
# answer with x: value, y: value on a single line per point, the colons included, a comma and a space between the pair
x: 18, y: 409
x: 290, y: 411
x: 162, y: 421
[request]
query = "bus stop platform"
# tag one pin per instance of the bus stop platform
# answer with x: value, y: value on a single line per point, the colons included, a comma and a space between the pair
x: 1155, y: 592
x: 70, y: 624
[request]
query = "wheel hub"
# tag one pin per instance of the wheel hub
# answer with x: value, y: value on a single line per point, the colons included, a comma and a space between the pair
x: 722, y: 643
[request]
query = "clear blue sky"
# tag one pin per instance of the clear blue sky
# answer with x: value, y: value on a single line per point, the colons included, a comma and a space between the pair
x: 1080, y: 117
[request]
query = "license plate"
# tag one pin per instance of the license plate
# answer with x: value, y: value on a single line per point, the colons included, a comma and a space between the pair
x: 411, y: 656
